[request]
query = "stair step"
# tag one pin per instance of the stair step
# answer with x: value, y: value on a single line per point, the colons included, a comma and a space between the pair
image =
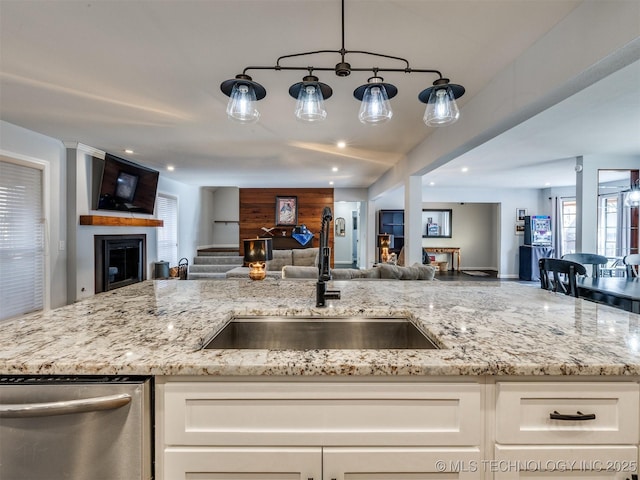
x: 218, y: 260
x: 206, y: 276
x: 210, y: 268
x: 218, y: 253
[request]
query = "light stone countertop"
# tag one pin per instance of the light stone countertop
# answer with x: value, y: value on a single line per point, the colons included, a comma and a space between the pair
x: 486, y: 328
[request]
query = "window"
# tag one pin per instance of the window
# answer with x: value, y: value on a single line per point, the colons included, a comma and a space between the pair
x: 21, y: 240
x: 168, y: 234
x: 610, y: 226
x: 568, y: 226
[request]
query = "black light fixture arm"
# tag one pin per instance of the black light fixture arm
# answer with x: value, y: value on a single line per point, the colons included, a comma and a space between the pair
x: 407, y: 69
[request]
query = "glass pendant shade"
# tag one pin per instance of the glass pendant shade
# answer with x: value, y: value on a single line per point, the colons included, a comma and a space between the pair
x: 632, y: 197
x: 310, y: 104
x: 375, y: 107
x: 242, y: 104
x: 441, y: 109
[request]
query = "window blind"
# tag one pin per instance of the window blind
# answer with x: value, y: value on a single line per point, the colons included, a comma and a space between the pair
x: 21, y: 240
x: 168, y: 234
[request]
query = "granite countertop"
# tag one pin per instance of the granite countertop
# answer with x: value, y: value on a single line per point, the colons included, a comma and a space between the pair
x: 486, y: 328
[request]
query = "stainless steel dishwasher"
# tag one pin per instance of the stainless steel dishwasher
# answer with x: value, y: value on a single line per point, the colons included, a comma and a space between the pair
x: 75, y: 428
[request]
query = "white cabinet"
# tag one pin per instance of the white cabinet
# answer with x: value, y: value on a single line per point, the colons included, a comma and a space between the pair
x: 316, y: 463
x: 555, y: 430
x: 347, y: 430
x: 476, y: 429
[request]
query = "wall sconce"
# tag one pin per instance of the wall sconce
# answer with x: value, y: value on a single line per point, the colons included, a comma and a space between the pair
x: 256, y: 252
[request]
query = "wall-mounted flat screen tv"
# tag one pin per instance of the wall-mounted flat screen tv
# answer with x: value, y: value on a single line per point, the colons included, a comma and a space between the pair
x: 124, y: 185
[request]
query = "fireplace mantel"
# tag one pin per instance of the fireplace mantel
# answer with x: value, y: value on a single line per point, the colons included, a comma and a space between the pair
x: 102, y: 220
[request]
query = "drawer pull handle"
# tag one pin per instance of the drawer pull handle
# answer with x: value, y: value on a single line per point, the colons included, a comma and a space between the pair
x: 578, y: 416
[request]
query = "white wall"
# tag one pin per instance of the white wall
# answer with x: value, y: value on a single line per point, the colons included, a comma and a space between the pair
x: 39, y: 150
x: 509, y: 199
x: 473, y: 231
x: 225, y: 217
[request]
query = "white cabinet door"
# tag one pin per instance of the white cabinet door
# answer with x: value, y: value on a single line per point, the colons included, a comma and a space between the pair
x: 406, y: 463
x: 203, y: 463
x: 555, y: 462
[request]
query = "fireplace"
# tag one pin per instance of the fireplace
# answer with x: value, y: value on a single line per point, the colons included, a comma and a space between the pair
x: 119, y: 261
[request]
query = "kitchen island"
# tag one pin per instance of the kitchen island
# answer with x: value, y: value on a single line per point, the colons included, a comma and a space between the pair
x: 524, y: 380
x: 159, y: 327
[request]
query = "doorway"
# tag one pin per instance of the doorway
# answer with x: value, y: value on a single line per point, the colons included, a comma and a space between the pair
x: 348, y: 227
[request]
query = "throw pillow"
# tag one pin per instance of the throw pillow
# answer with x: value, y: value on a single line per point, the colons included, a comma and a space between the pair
x: 280, y: 259
x: 305, y: 257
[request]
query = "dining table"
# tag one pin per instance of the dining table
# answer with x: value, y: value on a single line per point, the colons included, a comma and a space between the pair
x: 620, y: 292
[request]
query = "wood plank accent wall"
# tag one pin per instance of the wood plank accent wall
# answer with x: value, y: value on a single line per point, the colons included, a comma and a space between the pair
x: 258, y: 209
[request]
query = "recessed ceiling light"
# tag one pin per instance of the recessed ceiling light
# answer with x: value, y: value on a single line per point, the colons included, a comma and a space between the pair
x: 128, y: 150
x: 547, y: 184
x: 432, y: 183
x: 334, y: 169
x: 465, y: 169
x: 171, y: 168
x: 331, y: 182
x: 342, y: 144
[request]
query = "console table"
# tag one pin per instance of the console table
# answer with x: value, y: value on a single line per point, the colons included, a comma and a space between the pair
x: 453, y: 251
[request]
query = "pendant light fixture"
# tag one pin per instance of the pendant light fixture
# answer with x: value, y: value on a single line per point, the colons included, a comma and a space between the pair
x: 375, y: 95
x: 442, y: 109
x: 310, y: 94
x: 243, y: 94
x: 632, y: 196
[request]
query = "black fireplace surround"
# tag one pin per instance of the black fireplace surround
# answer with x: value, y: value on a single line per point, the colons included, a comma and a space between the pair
x: 119, y: 260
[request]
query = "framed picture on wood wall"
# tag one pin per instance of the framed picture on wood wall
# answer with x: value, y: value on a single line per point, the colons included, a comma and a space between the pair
x: 286, y: 211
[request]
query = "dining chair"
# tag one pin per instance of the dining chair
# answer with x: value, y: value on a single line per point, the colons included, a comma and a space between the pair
x: 632, y: 262
x: 565, y: 274
x: 588, y: 259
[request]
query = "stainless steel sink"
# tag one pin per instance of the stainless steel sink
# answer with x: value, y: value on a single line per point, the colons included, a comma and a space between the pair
x: 311, y: 333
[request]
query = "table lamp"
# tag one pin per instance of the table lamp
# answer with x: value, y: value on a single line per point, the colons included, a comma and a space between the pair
x: 256, y: 252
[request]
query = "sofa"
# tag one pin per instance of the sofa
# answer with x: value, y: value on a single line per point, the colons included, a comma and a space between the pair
x: 298, y: 257
x: 382, y: 271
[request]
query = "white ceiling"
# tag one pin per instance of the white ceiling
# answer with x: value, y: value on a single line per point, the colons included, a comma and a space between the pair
x: 145, y: 75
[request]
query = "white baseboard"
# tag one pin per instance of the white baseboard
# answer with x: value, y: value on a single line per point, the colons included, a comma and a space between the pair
x: 471, y: 269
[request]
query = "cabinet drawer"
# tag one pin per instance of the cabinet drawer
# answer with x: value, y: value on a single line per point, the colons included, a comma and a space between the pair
x: 523, y: 413
x: 336, y: 414
x: 557, y: 462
